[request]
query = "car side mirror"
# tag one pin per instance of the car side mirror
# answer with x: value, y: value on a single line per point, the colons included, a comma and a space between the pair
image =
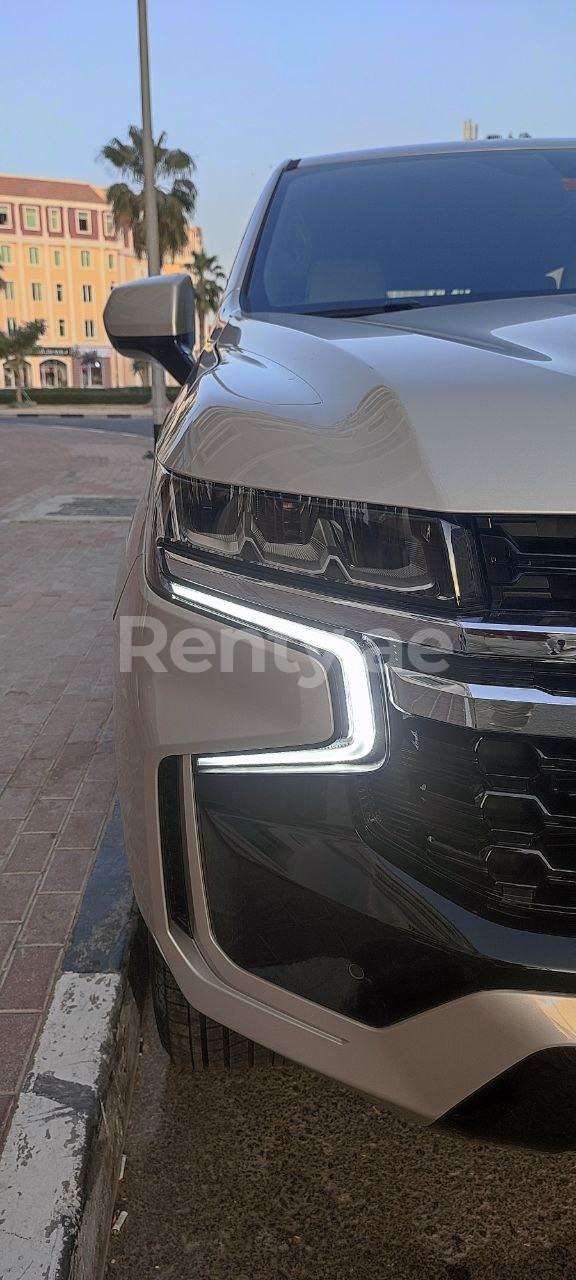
x: 155, y: 317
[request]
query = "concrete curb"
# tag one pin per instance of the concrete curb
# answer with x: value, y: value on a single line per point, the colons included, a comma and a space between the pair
x: 59, y: 1166
x: 112, y: 408
x: 142, y: 412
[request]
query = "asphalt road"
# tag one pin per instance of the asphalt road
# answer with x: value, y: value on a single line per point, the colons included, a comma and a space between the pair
x: 133, y: 426
x: 278, y: 1174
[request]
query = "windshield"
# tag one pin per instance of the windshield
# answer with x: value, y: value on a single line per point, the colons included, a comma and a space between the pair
x: 417, y: 230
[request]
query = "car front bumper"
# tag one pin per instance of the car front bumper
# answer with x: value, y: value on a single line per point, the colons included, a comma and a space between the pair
x: 283, y: 911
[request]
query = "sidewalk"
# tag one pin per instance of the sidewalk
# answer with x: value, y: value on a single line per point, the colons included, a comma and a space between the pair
x: 56, y: 758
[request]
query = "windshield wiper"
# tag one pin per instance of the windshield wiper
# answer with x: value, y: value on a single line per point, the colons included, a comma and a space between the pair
x: 375, y: 309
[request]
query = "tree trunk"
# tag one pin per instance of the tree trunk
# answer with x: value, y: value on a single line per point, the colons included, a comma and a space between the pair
x: 201, y: 330
x: 17, y: 379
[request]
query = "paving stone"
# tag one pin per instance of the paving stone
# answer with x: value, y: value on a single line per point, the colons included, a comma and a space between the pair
x: 7, y: 936
x: 9, y: 828
x: 94, y: 796
x: 102, y: 767
x: 50, y: 919
x: 16, y: 802
x: 31, y: 773
x: 47, y: 746
x: 84, y: 732
x: 11, y: 755
x: 68, y: 870
x: 30, y: 852
x: 16, y: 893
x: 17, y: 1034
x: 5, y: 1109
x: 47, y: 815
x: 81, y: 831
x: 63, y: 782
x: 29, y: 977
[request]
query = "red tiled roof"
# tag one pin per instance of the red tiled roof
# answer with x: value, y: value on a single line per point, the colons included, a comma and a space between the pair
x: 46, y: 189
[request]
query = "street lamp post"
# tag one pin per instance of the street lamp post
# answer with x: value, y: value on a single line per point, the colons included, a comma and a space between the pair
x: 150, y: 206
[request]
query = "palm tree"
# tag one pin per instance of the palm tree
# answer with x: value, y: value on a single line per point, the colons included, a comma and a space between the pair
x: 142, y: 370
x: 16, y: 347
x: 175, y: 191
x: 209, y: 279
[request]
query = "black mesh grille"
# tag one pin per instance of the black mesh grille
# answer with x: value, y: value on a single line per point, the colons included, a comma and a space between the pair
x: 530, y: 561
x: 490, y: 819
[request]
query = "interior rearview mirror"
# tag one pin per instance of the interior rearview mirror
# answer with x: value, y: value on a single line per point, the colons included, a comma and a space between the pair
x: 154, y: 317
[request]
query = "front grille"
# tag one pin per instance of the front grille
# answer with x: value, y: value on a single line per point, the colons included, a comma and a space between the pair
x: 549, y: 675
x: 530, y: 562
x: 489, y: 819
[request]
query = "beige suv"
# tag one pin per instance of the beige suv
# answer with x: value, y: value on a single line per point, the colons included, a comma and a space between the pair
x: 346, y: 624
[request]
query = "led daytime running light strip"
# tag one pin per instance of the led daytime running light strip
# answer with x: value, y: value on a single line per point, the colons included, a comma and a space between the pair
x: 347, y: 754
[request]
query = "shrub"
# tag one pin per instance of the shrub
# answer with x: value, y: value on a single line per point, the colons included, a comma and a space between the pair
x: 81, y: 395
x: 86, y: 396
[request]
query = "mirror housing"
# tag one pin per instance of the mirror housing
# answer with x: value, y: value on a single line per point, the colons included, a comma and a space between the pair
x: 154, y: 317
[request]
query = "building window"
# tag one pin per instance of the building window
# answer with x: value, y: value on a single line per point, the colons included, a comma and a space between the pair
x: 59, y: 292
x: 83, y: 221
x: 111, y: 261
x: 86, y: 292
x: 34, y: 257
x: 89, y: 328
x: 31, y: 218
x: 53, y: 373
x: 85, y: 258
x: 109, y: 229
x: 9, y: 290
x: 57, y: 258
x: 36, y: 292
x: 11, y: 324
x: 5, y: 215
x: 10, y: 376
x: 92, y: 371
x: 62, y: 328
x: 5, y: 253
x: 55, y: 219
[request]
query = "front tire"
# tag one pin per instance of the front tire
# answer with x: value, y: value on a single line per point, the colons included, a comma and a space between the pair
x: 191, y: 1039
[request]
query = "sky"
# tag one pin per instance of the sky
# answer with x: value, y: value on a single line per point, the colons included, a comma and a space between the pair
x: 244, y: 84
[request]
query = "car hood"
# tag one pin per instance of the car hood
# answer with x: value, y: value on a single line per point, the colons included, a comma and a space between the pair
x: 461, y: 408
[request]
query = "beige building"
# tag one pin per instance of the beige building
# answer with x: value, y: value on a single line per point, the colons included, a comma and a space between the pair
x: 60, y: 257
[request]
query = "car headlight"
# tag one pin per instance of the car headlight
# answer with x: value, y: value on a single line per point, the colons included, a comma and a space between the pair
x: 349, y: 548
x: 351, y: 665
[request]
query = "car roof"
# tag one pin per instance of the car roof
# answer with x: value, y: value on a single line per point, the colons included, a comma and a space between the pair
x: 436, y: 148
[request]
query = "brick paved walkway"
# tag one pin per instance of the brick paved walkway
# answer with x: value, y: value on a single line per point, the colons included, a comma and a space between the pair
x: 56, y: 758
